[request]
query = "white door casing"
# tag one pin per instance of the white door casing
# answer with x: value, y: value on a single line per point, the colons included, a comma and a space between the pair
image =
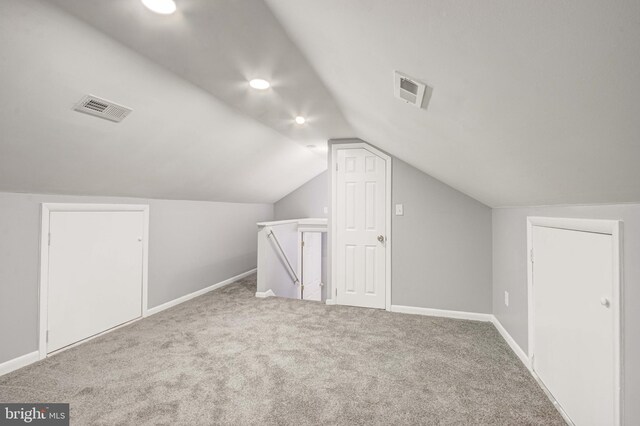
x: 575, y: 317
x: 361, y: 255
x: 94, y: 271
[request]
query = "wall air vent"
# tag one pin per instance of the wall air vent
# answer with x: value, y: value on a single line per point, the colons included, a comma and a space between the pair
x: 411, y: 90
x: 102, y: 108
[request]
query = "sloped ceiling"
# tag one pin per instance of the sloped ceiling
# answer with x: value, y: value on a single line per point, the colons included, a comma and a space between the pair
x: 196, y: 131
x: 534, y: 102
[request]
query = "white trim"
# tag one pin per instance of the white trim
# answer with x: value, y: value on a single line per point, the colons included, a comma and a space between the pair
x: 19, y: 362
x: 517, y: 350
x: 309, y: 221
x: 197, y: 293
x: 278, y: 222
x: 333, y: 230
x: 265, y: 294
x: 30, y: 358
x: 95, y: 336
x: 47, y: 208
x: 515, y: 347
x: 609, y: 227
x: 473, y: 316
x: 551, y: 398
x: 551, y: 206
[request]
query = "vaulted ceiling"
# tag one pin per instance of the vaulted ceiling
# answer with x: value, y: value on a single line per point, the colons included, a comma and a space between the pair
x: 197, y: 131
x: 533, y: 102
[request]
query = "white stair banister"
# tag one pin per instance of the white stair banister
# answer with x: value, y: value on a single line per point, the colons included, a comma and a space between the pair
x: 290, y: 269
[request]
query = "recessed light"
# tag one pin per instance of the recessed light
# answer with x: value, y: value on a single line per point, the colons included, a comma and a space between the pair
x: 311, y: 146
x: 300, y: 119
x: 163, y: 7
x: 260, y: 84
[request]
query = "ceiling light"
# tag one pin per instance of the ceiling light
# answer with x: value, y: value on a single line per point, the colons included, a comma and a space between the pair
x: 300, y: 119
x: 311, y: 146
x: 163, y: 7
x: 260, y: 84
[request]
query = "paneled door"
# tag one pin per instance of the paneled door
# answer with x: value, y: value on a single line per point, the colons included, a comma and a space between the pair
x: 95, y: 273
x: 361, y: 228
x: 574, y: 321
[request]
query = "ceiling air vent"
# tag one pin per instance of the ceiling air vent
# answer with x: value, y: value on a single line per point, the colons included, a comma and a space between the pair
x: 102, y: 108
x: 410, y: 90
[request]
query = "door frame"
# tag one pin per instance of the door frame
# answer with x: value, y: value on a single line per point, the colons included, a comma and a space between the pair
x: 46, y: 210
x: 608, y: 227
x: 333, y: 226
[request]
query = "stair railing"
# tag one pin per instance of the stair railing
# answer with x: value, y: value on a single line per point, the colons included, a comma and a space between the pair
x: 290, y: 269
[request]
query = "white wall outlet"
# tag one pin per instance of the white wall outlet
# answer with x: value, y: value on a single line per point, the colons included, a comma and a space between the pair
x: 506, y: 298
x: 399, y: 210
x: 325, y: 210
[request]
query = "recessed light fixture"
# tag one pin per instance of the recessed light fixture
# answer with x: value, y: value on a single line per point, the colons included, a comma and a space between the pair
x: 311, y: 146
x: 163, y: 7
x: 259, y: 84
x: 300, y: 119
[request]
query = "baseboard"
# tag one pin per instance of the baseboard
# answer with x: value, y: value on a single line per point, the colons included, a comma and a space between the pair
x: 468, y: 316
x: 330, y: 301
x: 512, y: 343
x: 265, y: 294
x: 19, y: 362
x: 190, y: 296
x: 30, y: 358
x: 473, y: 316
x: 527, y: 363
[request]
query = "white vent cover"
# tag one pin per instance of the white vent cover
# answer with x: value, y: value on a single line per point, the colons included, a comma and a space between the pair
x: 409, y: 89
x: 102, y: 108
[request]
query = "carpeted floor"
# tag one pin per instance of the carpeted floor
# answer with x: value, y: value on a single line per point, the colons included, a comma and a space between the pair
x: 230, y: 358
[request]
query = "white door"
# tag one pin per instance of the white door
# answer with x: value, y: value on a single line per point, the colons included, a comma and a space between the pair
x: 95, y: 273
x: 361, y: 216
x: 573, y: 333
x: 312, y: 265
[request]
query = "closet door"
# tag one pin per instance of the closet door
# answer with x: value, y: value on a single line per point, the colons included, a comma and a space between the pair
x: 95, y: 273
x: 574, y: 317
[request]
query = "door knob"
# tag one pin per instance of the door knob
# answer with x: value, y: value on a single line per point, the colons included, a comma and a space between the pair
x: 381, y: 238
x: 604, y: 301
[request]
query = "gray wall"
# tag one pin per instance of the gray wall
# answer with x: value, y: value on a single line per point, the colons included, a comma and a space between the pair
x: 510, y: 274
x: 309, y: 200
x: 441, y: 255
x: 192, y: 245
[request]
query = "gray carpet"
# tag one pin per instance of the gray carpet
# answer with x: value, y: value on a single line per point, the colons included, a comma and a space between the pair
x: 229, y: 358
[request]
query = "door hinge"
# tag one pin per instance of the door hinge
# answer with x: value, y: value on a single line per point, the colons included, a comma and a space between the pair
x: 302, y: 243
x: 531, y: 255
x: 49, y: 239
x: 47, y: 338
x: 336, y: 167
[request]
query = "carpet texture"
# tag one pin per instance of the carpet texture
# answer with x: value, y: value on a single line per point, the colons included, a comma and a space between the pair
x: 229, y: 358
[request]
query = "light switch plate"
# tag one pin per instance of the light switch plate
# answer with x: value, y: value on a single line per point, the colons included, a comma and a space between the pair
x: 506, y: 298
x: 325, y: 210
x: 399, y: 210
